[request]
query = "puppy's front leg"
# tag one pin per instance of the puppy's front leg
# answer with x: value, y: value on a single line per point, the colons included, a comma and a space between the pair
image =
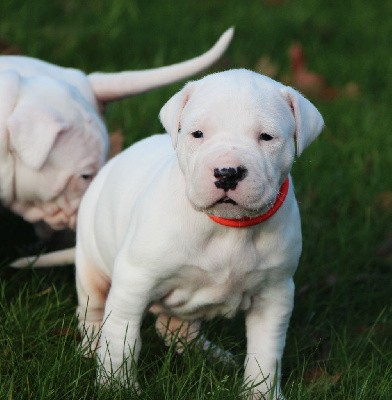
x: 266, y: 326
x: 120, y: 341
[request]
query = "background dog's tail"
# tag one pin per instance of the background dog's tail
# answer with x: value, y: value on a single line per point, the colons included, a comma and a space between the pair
x: 54, y: 259
x: 112, y: 86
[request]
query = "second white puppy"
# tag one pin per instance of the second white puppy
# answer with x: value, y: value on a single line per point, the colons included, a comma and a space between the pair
x: 208, y: 230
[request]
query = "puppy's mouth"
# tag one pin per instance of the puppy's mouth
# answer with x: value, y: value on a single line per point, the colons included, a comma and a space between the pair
x: 226, y: 200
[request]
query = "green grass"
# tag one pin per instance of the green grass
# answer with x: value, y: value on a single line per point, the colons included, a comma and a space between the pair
x: 339, y: 340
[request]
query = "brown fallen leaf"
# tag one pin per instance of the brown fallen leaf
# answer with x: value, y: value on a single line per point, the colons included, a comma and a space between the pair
x: 379, y: 328
x: 319, y: 374
x: 301, y: 76
x: 325, y: 284
x: 265, y: 66
x: 116, y: 143
x: 384, y: 200
x: 8, y: 48
x: 223, y: 63
x: 308, y: 82
x: 385, y: 249
x: 63, y: 331
x: 44, y: 292
x: 351, y: 89
x: 66, y: 331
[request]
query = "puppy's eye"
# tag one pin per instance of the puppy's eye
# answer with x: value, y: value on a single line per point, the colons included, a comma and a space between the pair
x: 265, y: 136
x: 197, y: 134
x: 87, y: 177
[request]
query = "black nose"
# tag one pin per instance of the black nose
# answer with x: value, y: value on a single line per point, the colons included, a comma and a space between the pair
x: 228, y: 178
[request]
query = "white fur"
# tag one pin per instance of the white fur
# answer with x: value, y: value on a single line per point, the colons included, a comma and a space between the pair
x: 144, y: 237
x: 52, y: 136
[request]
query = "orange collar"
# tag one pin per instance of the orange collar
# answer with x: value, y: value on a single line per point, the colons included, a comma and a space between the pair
x: 250, y: 221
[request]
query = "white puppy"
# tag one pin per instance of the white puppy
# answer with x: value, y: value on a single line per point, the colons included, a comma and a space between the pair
x: 208, y: 230
x: 52, y: 136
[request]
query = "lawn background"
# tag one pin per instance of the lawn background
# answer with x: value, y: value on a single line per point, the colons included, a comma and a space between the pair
x: 339, y: 340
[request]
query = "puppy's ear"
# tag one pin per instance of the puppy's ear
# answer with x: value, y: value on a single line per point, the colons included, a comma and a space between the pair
x: 308, y: 121
x: 170, y: 114
x: 33, y: 131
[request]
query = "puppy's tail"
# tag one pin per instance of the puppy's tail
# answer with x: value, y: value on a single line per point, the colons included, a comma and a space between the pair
x: 54, y: 259
x: 112, y: 86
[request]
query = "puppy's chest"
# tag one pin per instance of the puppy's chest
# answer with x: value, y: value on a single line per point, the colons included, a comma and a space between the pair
x: 222, y: 283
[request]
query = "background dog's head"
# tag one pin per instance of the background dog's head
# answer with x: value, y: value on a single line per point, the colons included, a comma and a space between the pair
x: 236, y: 134
x: 55, y: 152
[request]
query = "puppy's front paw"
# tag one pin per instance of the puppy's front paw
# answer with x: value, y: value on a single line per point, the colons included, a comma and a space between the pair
x: 122, y: 378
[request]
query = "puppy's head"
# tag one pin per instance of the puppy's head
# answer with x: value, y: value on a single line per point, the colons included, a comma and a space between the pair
x: 236, y: 134
x: 58, y: 143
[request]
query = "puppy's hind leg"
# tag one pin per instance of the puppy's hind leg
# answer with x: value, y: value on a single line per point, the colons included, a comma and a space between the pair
x: 92, y: 289
x: 173, y: 329
x: 182, y: 332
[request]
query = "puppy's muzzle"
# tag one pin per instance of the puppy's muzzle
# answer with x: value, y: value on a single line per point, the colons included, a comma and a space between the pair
x: 228, y: 177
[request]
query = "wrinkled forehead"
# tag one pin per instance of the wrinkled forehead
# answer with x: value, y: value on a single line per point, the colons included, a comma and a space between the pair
x: 238, y: 99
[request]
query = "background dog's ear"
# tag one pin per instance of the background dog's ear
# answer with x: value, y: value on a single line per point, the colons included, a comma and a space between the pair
x: 308, y: 121
x: 33, y: 131
x: 170, y: 114
x: 9, y: 89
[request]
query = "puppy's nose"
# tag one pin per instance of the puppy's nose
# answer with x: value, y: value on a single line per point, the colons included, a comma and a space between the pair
x: 228, y: 178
